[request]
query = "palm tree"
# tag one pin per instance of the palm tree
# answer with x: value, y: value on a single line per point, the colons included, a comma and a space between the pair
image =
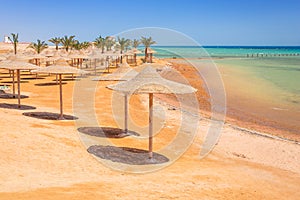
x: 67, y: 42
x: 85, y: 45
x: 39, y: 46
x: 135, y: 43
x: 56, y: 41
x: 80, y: 45
x: 14, y: 40
x: 147, y: 42
x: 124, y: 43
x: 109, y: 43
x: 100, y: 43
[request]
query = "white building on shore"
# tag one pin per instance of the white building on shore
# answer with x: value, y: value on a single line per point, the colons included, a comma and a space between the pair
x: 6, y: 39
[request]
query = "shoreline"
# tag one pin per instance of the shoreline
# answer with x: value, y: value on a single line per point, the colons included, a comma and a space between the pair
x: 234, y: 126
x: 239, y: 118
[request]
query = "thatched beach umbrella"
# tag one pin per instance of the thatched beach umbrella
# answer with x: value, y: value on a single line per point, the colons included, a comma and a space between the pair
x: 157, y: 66
x: 77, y: 57
x: 95, y: 55
x: 148, y: 81
x: 133, y: 53
x: 60, y: 70
x: 37, y: 58
x: 123, y: 73
x: 17, y: 65
x: 2, y: 57
x: 150, y: 52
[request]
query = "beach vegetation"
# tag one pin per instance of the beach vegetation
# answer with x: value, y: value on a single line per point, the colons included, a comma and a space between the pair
x: 39, y: 46
x: 123, y: 44
x: 68, y: 42
x: 109, y: 43
x: 147, y: 42
x: 15, y: 40
x: 99, y: 42
x: 56, y: 41
x: 136, y: 43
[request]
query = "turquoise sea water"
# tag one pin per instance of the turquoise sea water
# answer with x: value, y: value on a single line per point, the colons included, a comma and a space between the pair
x: 283, y: 71
x: 223, y: 51
x: 277, y: 76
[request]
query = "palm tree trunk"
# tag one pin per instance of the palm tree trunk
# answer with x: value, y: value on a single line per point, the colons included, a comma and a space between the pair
x: 15, y: 48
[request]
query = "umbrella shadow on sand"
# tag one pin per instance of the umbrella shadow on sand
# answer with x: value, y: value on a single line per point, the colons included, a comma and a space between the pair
x: 106, y: 132
x: 32, y: 78
x: 49, y: 116
x: 16, y: 106
x: 126, y: 155
x: 12, y: 82
x: 48, y: 84
x: 4, y: 95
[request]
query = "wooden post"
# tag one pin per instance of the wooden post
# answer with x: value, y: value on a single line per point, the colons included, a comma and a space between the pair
x: 61, y: 116
x: 150, y: 124
x: 19, y: 96
x: 13, y: 79
x: 135, y: 63
x: 126, y: 113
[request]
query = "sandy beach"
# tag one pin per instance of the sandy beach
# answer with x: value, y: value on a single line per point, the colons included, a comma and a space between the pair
x: 46, y: 159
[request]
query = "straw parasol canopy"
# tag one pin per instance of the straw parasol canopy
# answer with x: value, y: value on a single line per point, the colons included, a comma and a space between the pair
x: 148, y: 81
x: 133, y: 51
x: 48, y: 52
x: 123, y: 73
x: 2, y: 57
x: 157, y: 66
x: 17, y: 65
x: 77, y: 55
x: 63, y: 68
x: 150, y: 51
x: 136, y: 51
x: 36, y: 58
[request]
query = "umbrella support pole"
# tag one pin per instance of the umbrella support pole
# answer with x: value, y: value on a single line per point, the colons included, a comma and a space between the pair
x: 19, y: 96
x: 150, y: 125
x: 126, y: 113
x: 61, y: 115
x: 13, y: 80
x: 56, y: 79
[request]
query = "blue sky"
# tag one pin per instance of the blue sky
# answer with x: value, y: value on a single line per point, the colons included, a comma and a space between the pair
x: 209, y: 22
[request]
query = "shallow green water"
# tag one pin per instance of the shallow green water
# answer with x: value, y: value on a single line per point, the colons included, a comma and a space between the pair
x: 283, y: 73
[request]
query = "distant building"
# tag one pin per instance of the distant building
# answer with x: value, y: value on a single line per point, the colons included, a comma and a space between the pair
x: 6, y: 39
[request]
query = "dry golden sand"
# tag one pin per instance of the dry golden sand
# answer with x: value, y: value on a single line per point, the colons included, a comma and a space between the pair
x: 46, y: 159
